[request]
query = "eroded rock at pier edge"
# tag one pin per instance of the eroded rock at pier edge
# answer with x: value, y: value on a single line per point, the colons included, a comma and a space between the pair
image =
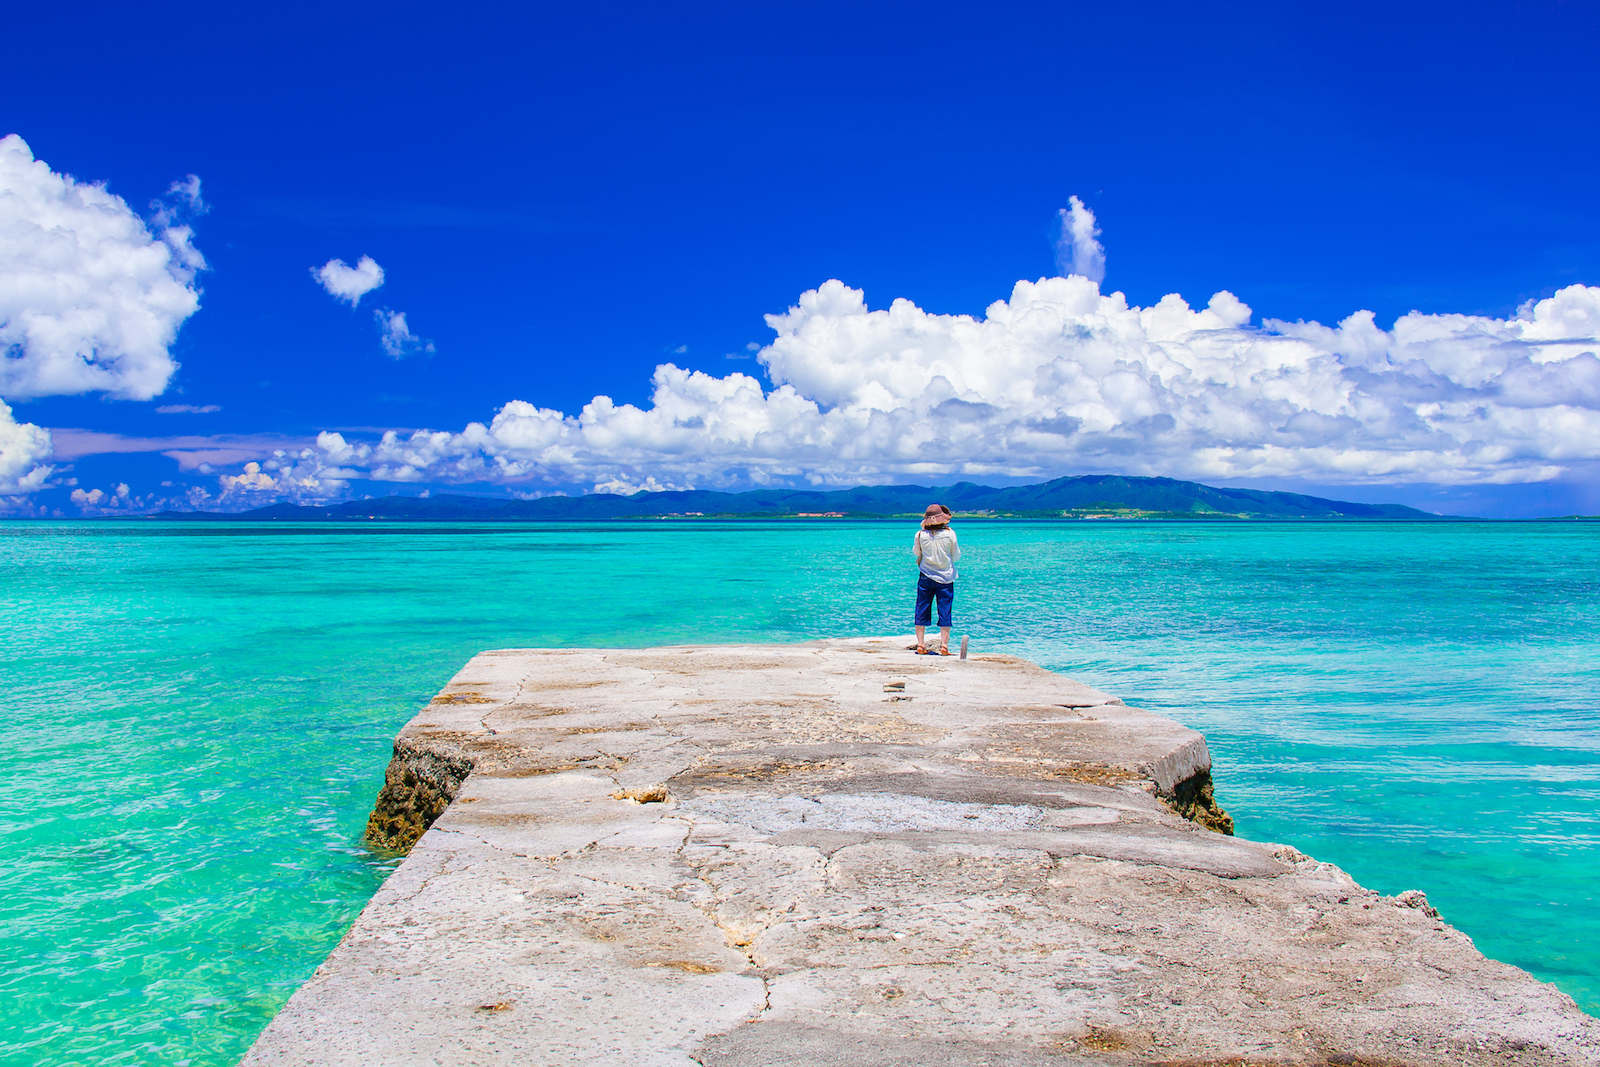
x: 419, y: 784
x: 1195, y: 799
x: 840, y: 853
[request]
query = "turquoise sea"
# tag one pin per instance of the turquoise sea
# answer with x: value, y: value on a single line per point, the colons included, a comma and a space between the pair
x: 194, y: 719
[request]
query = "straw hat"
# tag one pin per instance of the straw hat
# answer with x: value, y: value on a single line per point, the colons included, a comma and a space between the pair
x: 936, y: 515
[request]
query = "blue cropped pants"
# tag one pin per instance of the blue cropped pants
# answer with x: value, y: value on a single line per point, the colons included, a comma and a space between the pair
x: 928, y: 591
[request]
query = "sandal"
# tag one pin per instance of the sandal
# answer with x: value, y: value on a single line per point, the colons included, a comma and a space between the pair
x: 922, y: 650
x: 944, y: 651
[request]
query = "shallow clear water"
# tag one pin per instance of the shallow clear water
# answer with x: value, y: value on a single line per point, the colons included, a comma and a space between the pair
x: 194, y: 719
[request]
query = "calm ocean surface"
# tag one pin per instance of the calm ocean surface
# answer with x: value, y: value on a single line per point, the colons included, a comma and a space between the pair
x: 194, y: 719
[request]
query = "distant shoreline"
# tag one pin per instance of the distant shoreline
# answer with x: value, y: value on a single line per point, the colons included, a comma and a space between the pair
x: 223, y: 517
x: 1081, y: 498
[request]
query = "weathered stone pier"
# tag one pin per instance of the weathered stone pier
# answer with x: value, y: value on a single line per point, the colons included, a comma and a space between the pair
x: 840, y: 853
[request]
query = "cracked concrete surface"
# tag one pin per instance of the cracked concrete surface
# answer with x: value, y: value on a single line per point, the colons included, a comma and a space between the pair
x: 984, y: 873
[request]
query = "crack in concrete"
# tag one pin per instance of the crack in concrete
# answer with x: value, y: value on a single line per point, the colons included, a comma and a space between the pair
x: 483, y: 720
x: 645, y: 889
x: 444, y: 869
x: 712, y: 911
x: 688, y: 831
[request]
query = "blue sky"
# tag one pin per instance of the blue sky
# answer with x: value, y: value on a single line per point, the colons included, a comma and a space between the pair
x: 563, y: 198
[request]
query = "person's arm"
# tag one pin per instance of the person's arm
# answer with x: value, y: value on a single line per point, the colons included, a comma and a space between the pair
x: 916, y: 546
x: 955, y: 548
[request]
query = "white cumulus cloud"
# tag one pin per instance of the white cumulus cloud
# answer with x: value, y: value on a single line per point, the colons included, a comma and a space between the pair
x: 91, y: 298
x: 347, y: 283
x: 24, y: 450
x: 397, y: 339
x: 252, y: 480
x: 188, y: 190
x: 1077, y: 249
x: 1059, y: 378
x: 118, y: 500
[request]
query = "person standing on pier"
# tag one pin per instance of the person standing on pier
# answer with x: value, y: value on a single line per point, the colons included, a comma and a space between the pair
x: 936, y: 552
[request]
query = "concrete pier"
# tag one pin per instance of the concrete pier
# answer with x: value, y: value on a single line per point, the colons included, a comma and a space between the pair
x: 841, y: 853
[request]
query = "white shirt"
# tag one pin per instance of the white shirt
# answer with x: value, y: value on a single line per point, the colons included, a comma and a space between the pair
x: 936, y: 552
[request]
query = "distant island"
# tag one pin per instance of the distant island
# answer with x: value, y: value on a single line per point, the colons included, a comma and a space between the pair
x: 1084, y: 497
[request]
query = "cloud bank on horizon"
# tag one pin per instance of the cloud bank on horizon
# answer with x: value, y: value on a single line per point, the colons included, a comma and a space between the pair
x: 1060, y: 377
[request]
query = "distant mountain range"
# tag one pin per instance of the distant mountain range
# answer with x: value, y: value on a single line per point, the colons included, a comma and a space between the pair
x: 1082, y: 497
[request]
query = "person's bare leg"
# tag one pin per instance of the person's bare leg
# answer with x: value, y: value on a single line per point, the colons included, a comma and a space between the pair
x: 922, y: 642
x: 944, y: 639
